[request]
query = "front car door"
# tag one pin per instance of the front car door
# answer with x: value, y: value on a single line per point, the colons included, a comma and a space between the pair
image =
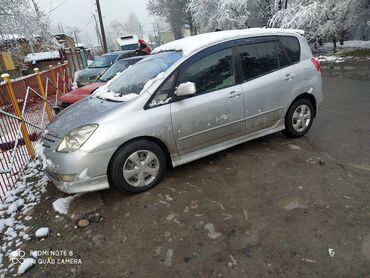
x: 215, y: 113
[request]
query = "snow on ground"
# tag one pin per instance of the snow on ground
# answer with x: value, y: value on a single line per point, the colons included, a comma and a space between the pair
x: 42, y: 232
x: 25, y: 265
x: 14, y: 212
x: 75, y: 76
x: 330, y: 59
x: 61, y: 205
x: 343, y: 53
x: 350, y: 44
x: 340, y: 59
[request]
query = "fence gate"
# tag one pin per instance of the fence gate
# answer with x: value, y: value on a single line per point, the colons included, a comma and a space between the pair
x: 26, y: 107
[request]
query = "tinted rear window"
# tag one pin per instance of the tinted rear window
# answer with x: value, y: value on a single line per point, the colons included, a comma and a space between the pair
x: 258, y: 59
x: 292, y: 48
x: 283, y: 58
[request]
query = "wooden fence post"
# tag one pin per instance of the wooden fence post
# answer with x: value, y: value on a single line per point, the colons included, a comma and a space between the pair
x: 42, y: 91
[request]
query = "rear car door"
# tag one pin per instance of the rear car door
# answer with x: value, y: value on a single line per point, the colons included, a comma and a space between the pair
x: 215, y: 113
x: 267, y: 82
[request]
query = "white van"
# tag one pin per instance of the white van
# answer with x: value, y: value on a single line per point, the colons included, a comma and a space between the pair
x: 129, y: 42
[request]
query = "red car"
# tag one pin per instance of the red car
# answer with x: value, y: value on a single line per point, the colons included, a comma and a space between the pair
x: 80, y: 93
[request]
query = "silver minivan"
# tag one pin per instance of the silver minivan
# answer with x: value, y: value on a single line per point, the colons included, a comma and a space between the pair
x: 189, y: 99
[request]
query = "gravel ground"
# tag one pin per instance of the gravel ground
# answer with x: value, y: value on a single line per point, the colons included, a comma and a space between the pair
x: 267, y: 208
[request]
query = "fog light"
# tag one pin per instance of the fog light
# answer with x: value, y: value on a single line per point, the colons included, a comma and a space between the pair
x: 67, y: 178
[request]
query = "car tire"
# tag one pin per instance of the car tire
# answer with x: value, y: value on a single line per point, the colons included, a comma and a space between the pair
x: 299, y: 118
x: 137, y: 166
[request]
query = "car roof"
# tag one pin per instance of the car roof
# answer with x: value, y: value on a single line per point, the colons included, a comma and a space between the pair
x: 192, y: 44
x: 115, y: 53
x: 132, y: 58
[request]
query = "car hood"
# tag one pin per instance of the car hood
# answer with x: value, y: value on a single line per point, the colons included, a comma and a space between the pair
x: 80, y: 93
x: 89, y: 72
x: 87, y: 111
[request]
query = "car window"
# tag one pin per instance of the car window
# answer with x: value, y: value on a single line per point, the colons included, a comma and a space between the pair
x: 117, y: 67
x: 133, y: 80
x: 133, y: 46
x: 258, y: 59
x: 214, y: 72
x: 163, y: 94
x: 126, y: 55
x: 291, y: 47
x: 283, y: 58
x: 103, y: 61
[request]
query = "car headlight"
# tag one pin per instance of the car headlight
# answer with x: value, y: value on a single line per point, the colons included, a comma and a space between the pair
x: 74, y: 140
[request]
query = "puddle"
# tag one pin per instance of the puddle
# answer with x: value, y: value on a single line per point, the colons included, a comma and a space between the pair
x: 290, y: 203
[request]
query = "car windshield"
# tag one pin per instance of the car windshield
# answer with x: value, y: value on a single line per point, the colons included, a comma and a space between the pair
x: 132, y: 46
x: 117, y: 67
x: 103, y: 61
x: 133, y: 80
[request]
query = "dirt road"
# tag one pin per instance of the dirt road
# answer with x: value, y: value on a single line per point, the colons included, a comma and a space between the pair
x: 268, y: 208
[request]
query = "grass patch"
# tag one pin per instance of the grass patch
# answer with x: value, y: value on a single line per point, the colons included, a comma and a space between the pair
x: 355, y: 53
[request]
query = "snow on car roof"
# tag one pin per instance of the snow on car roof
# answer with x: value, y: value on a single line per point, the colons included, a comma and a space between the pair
x: 191, y: 44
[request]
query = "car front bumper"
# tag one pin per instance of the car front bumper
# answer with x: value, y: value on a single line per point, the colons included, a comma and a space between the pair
x: 91, y: 184
x: 89, y: 170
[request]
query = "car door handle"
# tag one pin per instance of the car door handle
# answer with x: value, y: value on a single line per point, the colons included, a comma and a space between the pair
x: 234, y: 94
x: 289, y: 76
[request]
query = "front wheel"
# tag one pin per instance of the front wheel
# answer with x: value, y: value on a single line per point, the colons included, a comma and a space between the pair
x: 137, y: 166
x: 299, y: 118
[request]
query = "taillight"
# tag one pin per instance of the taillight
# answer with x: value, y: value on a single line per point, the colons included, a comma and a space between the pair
x: 316, y: 63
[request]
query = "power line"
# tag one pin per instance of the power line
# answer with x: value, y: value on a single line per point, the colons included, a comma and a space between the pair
x: 58, y: 6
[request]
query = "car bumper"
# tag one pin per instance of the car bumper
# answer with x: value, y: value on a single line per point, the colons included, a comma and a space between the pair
x: 88, y: 185
x: 89, y: 170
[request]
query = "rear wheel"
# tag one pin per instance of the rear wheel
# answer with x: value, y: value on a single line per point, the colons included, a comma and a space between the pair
x: 137, y: 166
x: 299, y: 118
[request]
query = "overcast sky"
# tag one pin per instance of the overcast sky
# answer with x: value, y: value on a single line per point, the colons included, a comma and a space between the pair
x: 79, y: 12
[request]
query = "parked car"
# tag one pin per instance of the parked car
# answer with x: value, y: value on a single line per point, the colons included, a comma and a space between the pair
x: 127, y: 54
x: 97, y: 67
x: 191, y: 98
x: 80, y: 93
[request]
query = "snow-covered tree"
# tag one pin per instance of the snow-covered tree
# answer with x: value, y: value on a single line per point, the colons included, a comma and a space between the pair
x: 321, y: 19
x: 220, y: 14
x: 307, y: 15
x: 173, y: 12
x: 20, y: 21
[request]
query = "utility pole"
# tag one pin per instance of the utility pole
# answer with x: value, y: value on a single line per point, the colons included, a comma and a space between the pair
x: 105, y: 49
x: 141, y: 31
x: 97, y: 31
x: 75, y: 37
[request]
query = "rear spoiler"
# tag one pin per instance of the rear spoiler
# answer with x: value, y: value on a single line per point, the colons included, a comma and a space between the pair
x: 298, y: 31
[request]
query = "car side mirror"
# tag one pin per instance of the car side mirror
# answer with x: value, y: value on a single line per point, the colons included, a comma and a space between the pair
x: 186, y: 89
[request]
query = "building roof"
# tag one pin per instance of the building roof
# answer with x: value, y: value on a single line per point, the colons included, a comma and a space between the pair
x: 41, y: 56
x: 192, y: 44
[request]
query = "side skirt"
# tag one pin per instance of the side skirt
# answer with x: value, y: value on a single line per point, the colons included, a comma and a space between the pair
x: 180, y: 160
